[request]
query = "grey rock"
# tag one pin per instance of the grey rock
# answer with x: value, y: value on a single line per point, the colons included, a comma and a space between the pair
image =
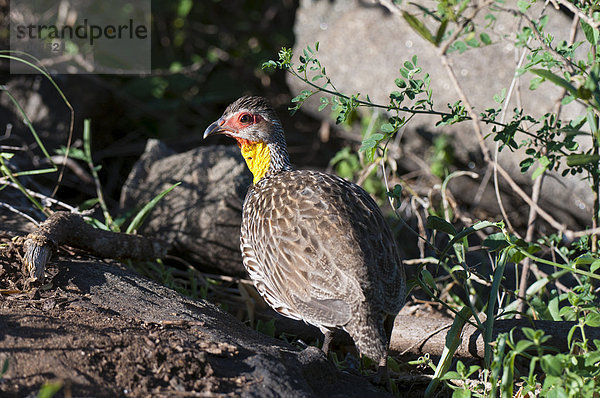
x: 363, y: 45
x: 201, y: 217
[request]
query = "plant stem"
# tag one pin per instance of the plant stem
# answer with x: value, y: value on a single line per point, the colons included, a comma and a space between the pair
x: 595, y: 189
x: 535, y: 195
x: 88, y: 154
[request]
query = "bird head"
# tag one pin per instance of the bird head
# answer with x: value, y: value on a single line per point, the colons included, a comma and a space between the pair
x: 253, y: 123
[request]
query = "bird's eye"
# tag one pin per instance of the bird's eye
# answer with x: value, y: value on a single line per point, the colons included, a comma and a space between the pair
x: 245, y: 118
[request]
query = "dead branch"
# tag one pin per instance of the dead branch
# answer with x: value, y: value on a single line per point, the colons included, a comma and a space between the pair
x: 64, y: 228
x: 418, y: 336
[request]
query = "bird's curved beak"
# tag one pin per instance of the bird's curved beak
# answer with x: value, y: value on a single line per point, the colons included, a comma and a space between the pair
x: 215, y: 128
x: 220, y: 127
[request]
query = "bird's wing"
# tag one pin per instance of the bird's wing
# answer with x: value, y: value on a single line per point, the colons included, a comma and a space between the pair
x: 306, y: 246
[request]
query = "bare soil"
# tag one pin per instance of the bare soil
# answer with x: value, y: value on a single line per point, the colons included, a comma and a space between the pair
x: 96, y: 329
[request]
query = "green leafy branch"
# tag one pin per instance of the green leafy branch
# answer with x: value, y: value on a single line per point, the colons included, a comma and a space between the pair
x: 410, y: 87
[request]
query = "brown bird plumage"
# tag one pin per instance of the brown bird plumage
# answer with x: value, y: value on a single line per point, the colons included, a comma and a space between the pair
x: 316, y: 246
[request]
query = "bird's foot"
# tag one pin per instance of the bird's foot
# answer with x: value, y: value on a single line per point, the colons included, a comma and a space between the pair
x: 382, y: 376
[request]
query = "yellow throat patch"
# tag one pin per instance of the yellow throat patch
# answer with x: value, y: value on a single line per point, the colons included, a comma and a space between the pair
x: 257, y: 156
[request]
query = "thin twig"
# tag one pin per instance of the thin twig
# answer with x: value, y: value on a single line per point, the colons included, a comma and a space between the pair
x: 499, y: 200
x: 481, y: 189
x: 14, y: 210
x: 567, y: 62
x: 513, y: 84
x: 79, y: 171
x: 575, y: 10
x: 544, y: 214
x: 535, y: 196
x: 45, y: 199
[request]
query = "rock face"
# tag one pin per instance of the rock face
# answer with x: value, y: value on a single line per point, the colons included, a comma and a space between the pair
x: 363, y: 45
x: 202, y: 216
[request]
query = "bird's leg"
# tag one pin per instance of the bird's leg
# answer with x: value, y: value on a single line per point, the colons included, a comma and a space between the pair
x: 327, y: 340
x: 382, y: 376
x: 388, y: 326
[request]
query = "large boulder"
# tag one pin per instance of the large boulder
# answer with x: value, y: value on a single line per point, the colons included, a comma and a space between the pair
x: 201, y: 218
x: 363, y: 45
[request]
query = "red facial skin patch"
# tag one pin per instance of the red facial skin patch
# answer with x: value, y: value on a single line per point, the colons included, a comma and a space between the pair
x: 235, y: 124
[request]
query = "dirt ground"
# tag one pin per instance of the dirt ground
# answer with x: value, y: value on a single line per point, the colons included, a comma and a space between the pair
x: 95, y: 329
x: 123, y: 356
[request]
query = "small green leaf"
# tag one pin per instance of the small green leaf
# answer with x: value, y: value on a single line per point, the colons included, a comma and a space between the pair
x: 485, y: 39
x: 50, y: 389
x: 472, y: 42
x: 324, y: 103
x: 529, y: 333
x: 387, y: 128
x: 440, y: 33
x: 369, y: 145
x: 450, y: 375
x: 4, y: 367
x: 459, y: 46
x: 559, y: 81
x: 396, y: 194
x: 465, y: 393
x: 400, y: 83
x: 428, y: 278
x: 495, y: 241
x: 592, y: 358
x: 553, y: 309
x: 593, y: 319
x: 142, y: 214
x: 538, y: 172
x: 552, y: 365
x: 523, y: 5
x: 591, y: 34
x: 535, y: 83
x: 567, y: 99
x: 419, y: 27
x: 302, y: 96
x: 582, y: 159
x: 523, y: 346
x: 499, y: 98
x: 439, y: 224
x: 570, y: 336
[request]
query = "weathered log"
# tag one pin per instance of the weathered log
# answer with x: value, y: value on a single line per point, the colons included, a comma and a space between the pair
x: 428, y: 335
x: 416, y: 336
x: 64, y: 228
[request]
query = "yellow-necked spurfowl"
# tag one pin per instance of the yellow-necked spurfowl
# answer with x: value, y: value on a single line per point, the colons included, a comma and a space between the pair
x: 316, y: 246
